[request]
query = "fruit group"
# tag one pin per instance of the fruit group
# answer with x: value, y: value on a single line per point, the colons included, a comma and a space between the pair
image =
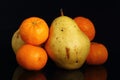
x: 31, y: 57
x: 67, y: 45
x: 17, y: 42
x: 98, y: 54
x: 86, y: 25
x: 34, y: 30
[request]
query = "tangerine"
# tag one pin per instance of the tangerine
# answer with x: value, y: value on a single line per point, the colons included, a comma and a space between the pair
x: 98, y: 54
x: 31, y: 57
x: 86, y: 25
x: 34, y: 30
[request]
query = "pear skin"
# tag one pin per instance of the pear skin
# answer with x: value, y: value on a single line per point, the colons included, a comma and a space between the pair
x: 67, y: 45
x: 16, y: 42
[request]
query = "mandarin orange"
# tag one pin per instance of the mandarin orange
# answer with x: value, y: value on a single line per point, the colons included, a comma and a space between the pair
x: 86, y: 25
x: 31, y: 57
x: 98, y: 54
x: 34, y: 30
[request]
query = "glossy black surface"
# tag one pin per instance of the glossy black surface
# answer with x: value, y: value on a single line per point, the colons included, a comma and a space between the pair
x: 104, y: 14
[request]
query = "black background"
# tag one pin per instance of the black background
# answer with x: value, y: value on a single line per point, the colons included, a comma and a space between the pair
x: 104, y: 15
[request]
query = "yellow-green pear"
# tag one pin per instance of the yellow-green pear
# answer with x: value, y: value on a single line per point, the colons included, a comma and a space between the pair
x: 16, y: 42
x: 67, y: 45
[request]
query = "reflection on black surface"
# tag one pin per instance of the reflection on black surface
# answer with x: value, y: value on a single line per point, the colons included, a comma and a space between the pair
x: 95, y: 73
x: 61, y: 74
x: 22, y: 74
x: 89, y: 73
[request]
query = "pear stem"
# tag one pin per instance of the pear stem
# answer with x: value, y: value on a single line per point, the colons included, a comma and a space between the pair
x: 61, y: 11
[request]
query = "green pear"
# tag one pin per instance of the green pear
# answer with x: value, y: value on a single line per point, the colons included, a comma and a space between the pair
x: 67, y: 45
x: 16, y: 42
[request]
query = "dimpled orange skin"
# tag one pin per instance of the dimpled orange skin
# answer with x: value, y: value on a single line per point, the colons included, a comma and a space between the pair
x: 98, y: 54
x: 34, y: 30
x: 86, y: 25
x: 31, y: 57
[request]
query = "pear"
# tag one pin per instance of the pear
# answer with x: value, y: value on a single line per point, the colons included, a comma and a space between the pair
x: 16, y: 42
x: 67, y: 45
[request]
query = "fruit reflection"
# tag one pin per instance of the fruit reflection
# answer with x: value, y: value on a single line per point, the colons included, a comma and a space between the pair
x: 95, y: 73
x: 21, y: 74
x: 67, y: 75
x: 18, y: 71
